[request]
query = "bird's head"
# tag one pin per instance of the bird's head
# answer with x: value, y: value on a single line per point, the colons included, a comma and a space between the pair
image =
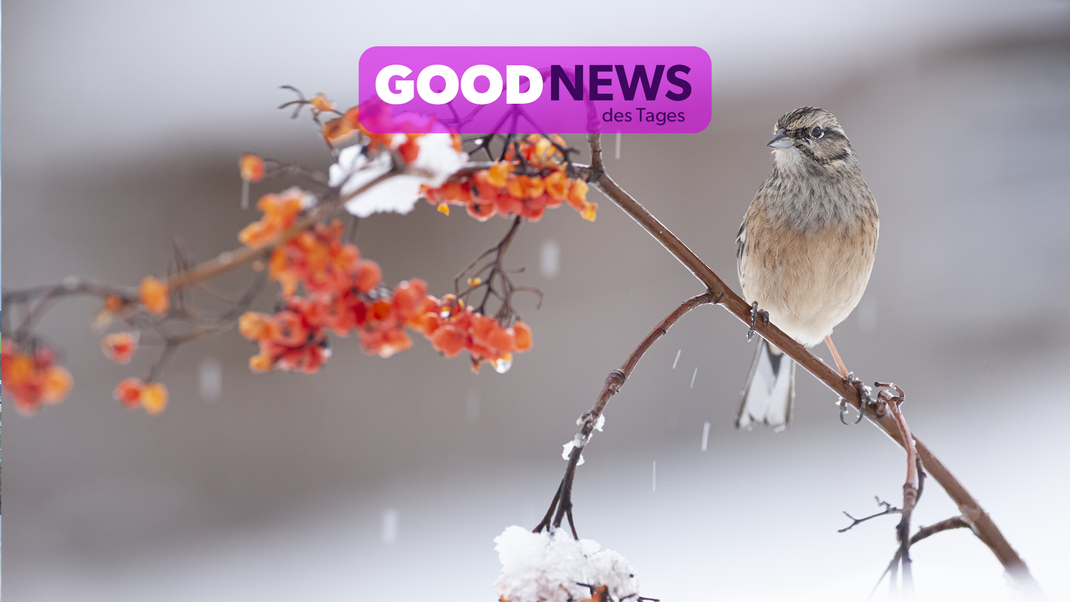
x: 809, y: 137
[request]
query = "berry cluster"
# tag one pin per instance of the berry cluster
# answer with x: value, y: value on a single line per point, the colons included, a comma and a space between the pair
x: 451, y: 326
x: 291, y: 339
x: 529, y: 180
x: 343, y: 293
x: 32, y: 377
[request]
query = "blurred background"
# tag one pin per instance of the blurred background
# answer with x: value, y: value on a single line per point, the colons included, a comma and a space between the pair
x: 389, y: 479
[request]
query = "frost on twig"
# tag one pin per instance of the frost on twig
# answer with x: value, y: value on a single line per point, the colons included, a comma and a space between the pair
x: 552, y: 566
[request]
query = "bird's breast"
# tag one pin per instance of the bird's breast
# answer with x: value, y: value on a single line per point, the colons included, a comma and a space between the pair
x: 807, y: 259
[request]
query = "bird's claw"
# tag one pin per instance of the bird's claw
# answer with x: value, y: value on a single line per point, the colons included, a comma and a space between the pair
x: 864, y: 398
x: 754, y: 313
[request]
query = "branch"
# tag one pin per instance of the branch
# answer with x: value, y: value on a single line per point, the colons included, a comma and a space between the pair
x: 972, y: 512
x: 230, y: 260
x: 912, y: 487
x: 955, y: 522
x: 888, y: 509
x: 562, y: 502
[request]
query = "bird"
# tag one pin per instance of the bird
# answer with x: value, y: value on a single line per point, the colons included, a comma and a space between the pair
x: 804, y: 253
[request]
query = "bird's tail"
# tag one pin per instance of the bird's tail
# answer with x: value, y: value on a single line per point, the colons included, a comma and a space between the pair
x: 770, y: 390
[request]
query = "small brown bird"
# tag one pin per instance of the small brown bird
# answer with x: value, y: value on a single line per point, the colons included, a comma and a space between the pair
x: 805, y: 252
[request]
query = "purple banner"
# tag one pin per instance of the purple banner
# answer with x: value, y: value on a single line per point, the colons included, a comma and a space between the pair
x: 546, y: 89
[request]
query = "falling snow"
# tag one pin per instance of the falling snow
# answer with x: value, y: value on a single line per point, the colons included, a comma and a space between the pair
x: 389, y: 531
x: 550, y: 261
x: 211, y: 379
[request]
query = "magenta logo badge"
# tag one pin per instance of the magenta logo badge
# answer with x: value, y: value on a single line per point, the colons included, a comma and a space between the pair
x: 514, y: 89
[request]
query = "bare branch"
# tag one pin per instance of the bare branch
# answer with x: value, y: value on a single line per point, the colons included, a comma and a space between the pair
x: 955, y: 522
x: 888, y: 509
x: 562, y: 503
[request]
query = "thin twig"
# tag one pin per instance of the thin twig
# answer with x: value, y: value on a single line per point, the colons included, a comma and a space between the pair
x: 562, y: 502
x: 955, y: 522
x: 910, y: 488
x: 888, y: 509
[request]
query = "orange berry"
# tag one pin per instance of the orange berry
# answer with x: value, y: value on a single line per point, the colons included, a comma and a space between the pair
x: 57, y: 382
x: 589, y: 211
x: 368, y: 275
x: 503, y: 340
x: 120, y: 346
x: 433, y: 195
x: 429, y: 324
x: 292, y: 331
x: 113, y: 303
x: 409, y: 150
x: 535, y: 186
x: 479, y: 353
x: 256, y: 326
x: 260, y: 363
x: 516, y: 187
x: 480, y: 209
x: 18, y: 368
x: 557, y: 185
x: 486, y: 191
x: 508, y: 205
x: 338, y: 130
x: 448, y: 340
x: 321, y: 103
x: 251, y: 167
x: 522, y: 334
x: 253, y: 233
x: 155, y: 296
x: 154, y: 398
x: 380, y: 311
x: 352, y: 115
x: 129, y: 392
x: 456, y: 192
x: 577, y: 194
x: 533, y: 208
x: 394, y: 341
x: 497, y: 174
x: 482, y: 328
x: 312, y: 358
x: 408, y: 296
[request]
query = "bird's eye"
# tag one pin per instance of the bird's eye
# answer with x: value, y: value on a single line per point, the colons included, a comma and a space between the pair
x: 817, y: 132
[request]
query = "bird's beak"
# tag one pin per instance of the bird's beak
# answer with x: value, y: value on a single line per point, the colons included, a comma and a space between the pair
x: 780, y: 140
